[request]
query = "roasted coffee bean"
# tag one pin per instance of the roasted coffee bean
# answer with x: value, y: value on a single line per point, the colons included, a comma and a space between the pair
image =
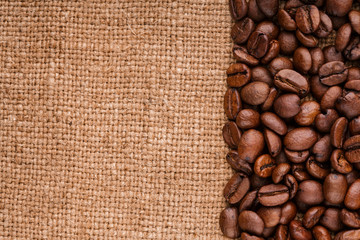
x: 333, y: 73
x: 335, y: 187
x: 264, y: 166
x: 291, y: 81
x: 250, y: 146
x: 298, y: 232
x: 280, y: 63
x: 331, y: 54
x: 273, y: 195
x: 273, y: 122
x: 246, y: 236
x: 281, y: 158
x: 307, y: 40
x: 232, y: 103
x: 238, y: 164
x: 339, y: 162
x: 352, y: 149
x: 248, y: 118
x: 337, y: 132
x: 354, y: 126
x: 231, y: 134
x: 238, y: 9
x: 268, y: 7
x: 354, y: 17
x: 348, y: 235
x: 310, y: 192
x: 300, y: 139
x: 343, y: 37
x: 307, y: 18
x: 270, y: 216
x: 241, y: 30
x: 317, y: 60
x: 238, y: 75
x: 321, y: 233
x: 248, y: 201
x: 236, y: 188
x: 287, y: 105
x: 353, y: 85
x: 350, y: 219
x: 241, y: 55
x: 302, y: 60
x: 352, y: 176
x: 273, y: 142
x: 348, y: 104
x: 269, y: 28
x: 258, y: 182
x: 261, y: 74
x: 308, y: 112
x: 288, y: 42
x: 331, y: 219
x: 312, y: 216
x: 325, y: 27
x: 330, y: 97
x: 282, y: 233
x: 255, y: 93
x: 297, y: 156
x: 268, y: 232
x: 273, y: 52
x: 338, y: 8
x: 229, y: 222
x: 286, y: 21
x: 292, y: 184
x: 317, y: 3
x: 269, y: 100
x: 299, y: 172
x: 280, y: 171
x: 352, y: 198
x: 317, y: 88
x: 258, y: 44
x: 254, y: 12
x: 251, y: 222
x: 354, y: 73
x: 324, y: 122
x: 288, y: 212
x: 292, y: 5
x: 338, y: 21
x: 322, y: 149
x: 352, y: 51
x: 317, y: 169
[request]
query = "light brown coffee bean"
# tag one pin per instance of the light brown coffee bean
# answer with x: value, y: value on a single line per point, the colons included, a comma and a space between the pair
x: 251, y: 144
x: 251, y: 222
x: 248, y: 118
x: 307, y: 114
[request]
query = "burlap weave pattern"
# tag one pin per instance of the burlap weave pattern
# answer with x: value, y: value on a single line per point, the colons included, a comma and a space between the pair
x: 110, y: 119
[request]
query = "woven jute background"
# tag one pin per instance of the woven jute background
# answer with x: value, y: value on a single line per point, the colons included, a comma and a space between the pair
x: 111, y: 117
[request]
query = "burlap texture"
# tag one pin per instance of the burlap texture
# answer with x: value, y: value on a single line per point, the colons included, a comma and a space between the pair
x: 111, y: 117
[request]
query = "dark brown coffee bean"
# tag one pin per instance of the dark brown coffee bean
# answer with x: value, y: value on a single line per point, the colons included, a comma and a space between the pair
x: 288, y: 212
x: 248, y: 118
x: 273, y: 52
x: 348, y: 235
x: 302, y: 60
x: 261, y: 74
x: 352, y: 51
x: 322, y: 149
x: 297, y: 156
x: 236, y: 188
x: 312, y: 216
x: 273, y: 195
x: 354, y: 73
x: 331, y: 219
x: 335, y: 187
x: 258, y: 44
x: 331, y: 54
x: 338, y: 21
x: 333, y: 73
x: 321, y: 233
x: 238, y: 75
x: 292, y: 184
x: 238, y: 164
x: 298, y: 232
x: 251, y: 222
x: 325, y: 27
x: 291, y: 81
x: 280, y: 171
x: 317, y: 169
x: 280, y: 63
x: 354, y: 17
x: 288, y: 42
x: 254, y: 12
x: 273, y: 122
x: 258, y: 182
x: 317, y: 88
x: 238, y: 9
x: 282, y: 233
x: 229, y: 222
x: 232, y: 103
x: 281, y: 158
x: 339, y: 163
x: 255, y: 93
x: 323, y: 122
x: 337, y: 132
x: 231, y: 134
x: 317, y: 3
x: 241, y: 30
x: 330, y: 97
x: 348, y: 104
x: 352, y: 176
x: 264, y: 165
x: 292, y: 5
x: 286, y: 21
x: 300, y: 139
x: 307, y: 18
x: 246, y: 236
x: 269, y: 28
x: 287, y: 105
x: 310, y: 192
x: 299, y: 172
x: 250, y: 146
x: 241, y: 55
x: 338, y: 8
x: 270, y: 216
x: 353, y: 85
x: 307, y: 40
x: 354, y: 126
x: 350, y: 219
x: 308, y: 112
x: 317, y: 60
x: 273, y: 142
x: 248, y: 201
x: 352, y: 198
x: 352, y: 149
x: 268, y: 7
x: 343, y: 37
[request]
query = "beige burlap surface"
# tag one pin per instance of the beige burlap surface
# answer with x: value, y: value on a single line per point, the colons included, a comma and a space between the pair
x: 110, y: 119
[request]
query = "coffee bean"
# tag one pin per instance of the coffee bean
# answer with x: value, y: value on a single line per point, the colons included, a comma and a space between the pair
x: 273, y: 122
x: 258, y: 182
x: 307, y: 114
x: 307, y: 18
x: 335, y: 187
x: 251, y: 222
x: 246, y: 236
x: 307, y: 40
x: 353, y: 85
x: 280, y: 63
x: 287, y: 105
x: 312, y: 216
x: 280, y: 171
x: 255, y: 93
x: 254, y: 12
x: 258, y: 44
x: 317, y: 169
x: 282, y: 233
x: 231, y: 134
x: 354, y: 17
x: 238, y: 9
x: 325, y: 27
x: 317, y: 60
x: 331, y: 54
x: 241, y: 30
x: 322, y: 149
x: 238, y: 75
x: 270, y: 215
x: 261, y: 74
x: 269, y: 232
x: 338, y: 8
x: 338, y: 21
x: 354, y: 73
x: 333, y: 73
x: 300, y: 139
x: 273, y: 142
x: 352, y: 198
x: 337, y: 132
x: 324, y: 122
x: 317, y: 88
x: 288, y: 212
x: 339, y: 162
x: 269, y: 100
x: 264, y: 165
x: 331, y: 219
x: 302, y: 60
x: 352, y: 176
x: 297, y: 156
x: 248, y: 201
x: 348, y: 104
x: 292, y: 5
x: 229, y: 222
x: 292, y: 184
x: 349, y: 218
x: 236, y: 188
x: 354, y: 126
x: 232, y: 103
x: 286, y: 21
x: 321, y: 233
x: 251, y: 144
x: 273, y: 195
x: 291, y: 81
x: 269, y: 28
x: 248, y: 118
x: 241, y: 55
x: 352, y: 51
x: 299, y: 172
x: 343, y: 37
x: 238, y: 164
x: 348, y: 235
x: 288, y: 42
x: 352, y: 149
x: 310, y: 192
x: 268, y: 7
x: 273, y: 52
x: 330, y: 97
x: 298, y: 232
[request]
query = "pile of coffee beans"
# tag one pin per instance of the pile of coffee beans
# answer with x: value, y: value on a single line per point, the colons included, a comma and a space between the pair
x: 294, y: 121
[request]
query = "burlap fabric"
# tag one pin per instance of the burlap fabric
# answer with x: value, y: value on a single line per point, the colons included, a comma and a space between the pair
x: 111, y: 117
